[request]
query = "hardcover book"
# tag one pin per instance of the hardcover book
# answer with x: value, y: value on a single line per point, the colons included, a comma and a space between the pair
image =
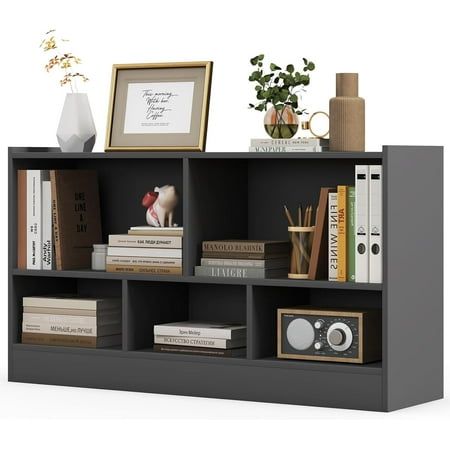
x: 201, y: 351
x: 72, y: 341
x: 34, y: 225
x: 145, y: 252
x: 239, y: 272
x: 156, y: 231
x: 246, y: 246
x: 22, y: 219
x: 143, y: 261
x: 351, y: 234
x: 332, y: 237
x: 76, y: 217
x: 132, y: 268
x: 342, y: 233
x: 199, y: 329
x: 256, y: 263
x: 72, y: 302
x: 127, y: 240
x: 200, y: 342
x: 76, y: 330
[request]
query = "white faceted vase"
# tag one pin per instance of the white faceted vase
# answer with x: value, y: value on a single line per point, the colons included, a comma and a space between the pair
x: 76, y: 129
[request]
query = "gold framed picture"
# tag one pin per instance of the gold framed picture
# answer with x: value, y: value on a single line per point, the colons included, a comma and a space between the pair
x: 159, y: 106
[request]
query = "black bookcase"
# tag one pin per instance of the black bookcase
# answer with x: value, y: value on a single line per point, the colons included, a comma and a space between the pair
x: 240, y: 195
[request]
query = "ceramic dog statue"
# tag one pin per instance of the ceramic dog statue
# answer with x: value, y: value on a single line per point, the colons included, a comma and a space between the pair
x: 160, y: 205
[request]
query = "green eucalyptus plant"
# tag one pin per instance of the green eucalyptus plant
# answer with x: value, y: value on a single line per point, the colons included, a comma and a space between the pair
x: 279, y: 87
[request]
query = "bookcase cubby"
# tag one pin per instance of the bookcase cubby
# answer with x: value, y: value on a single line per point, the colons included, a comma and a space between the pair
x: 240, y: 196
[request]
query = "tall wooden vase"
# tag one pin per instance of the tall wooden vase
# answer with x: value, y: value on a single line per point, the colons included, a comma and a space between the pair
x: 347, y: 116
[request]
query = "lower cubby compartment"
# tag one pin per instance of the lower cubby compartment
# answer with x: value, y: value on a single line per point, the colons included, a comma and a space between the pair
x: 151, y: 303
x: 266, y: 300
x: 23, y: 286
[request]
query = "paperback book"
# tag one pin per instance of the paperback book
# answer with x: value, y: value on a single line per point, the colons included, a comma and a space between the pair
x: 201, y: 329
x: 201, y: 351
x: 200, y: 342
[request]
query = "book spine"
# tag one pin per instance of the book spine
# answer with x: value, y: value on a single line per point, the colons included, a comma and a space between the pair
x: 255, y: 263
x: 36, y: 319
x: 238, y: 272
x: 61, y: 311
x: 214, y: 333
x: 55, y: 221
x: 34, y: 231
x: 47, y: 232
x: 332, y: 236
x: 77, y: 330
x: 125, y: 240
x: 143, y: 269
x: 22, y: 219
x: 146, y: 252
x: 202, y: 351
x: 57, y: 339
x: 233, y: 247
x: 71, y: 303
x: 136, y: 261
x: 196, y: 342
x: 342, y: 233
x: 284, y: 149
x: 251, y: 256
x: 351, y: 233
x: 290, y: 142
x: 155, y: 232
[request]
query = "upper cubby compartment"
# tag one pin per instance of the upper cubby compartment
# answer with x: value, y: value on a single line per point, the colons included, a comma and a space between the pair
x: 243, y: 198
x: 123, y: 181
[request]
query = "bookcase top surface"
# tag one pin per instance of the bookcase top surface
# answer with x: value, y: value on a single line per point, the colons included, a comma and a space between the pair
x: 55, y: 153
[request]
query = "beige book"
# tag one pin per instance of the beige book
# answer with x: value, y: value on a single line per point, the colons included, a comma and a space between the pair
x: 144, y: 269
x: 72, y: 341
x: 70, y: 312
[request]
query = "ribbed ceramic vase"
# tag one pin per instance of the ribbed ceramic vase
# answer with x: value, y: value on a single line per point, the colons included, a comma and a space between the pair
x: 347, y: 116
x: 76, y: 129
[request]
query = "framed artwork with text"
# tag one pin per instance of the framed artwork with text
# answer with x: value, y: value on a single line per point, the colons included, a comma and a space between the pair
x: 160, y: 106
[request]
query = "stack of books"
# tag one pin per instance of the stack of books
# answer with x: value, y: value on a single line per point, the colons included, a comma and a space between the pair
x: 355, y: 228
x: 207, y: 339
x: 151, y: 250
x: 72, y: 322
x: 311, y: 144
x: 58, y: 219
x: 244, y: 259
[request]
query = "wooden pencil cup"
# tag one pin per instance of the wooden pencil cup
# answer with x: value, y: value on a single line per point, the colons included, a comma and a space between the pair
x: 301, y: 240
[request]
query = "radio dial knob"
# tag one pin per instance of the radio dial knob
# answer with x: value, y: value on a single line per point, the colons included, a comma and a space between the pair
x: 337, y: 337
x: 318, y: 324
x: 318, y: 345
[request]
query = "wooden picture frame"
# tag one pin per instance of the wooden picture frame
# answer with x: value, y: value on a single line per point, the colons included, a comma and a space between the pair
x: 159, y: 106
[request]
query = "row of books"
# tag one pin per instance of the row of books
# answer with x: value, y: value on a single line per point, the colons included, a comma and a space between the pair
x: 196, y: 338
x: 355, y: 228
x: 58, y: 218
x: 289, y: 145
x: 71, y: 321
x: 244, y: 259
x: 151, y: 250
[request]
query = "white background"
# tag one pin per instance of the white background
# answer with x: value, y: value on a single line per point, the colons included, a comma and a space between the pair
x: 400, y: 51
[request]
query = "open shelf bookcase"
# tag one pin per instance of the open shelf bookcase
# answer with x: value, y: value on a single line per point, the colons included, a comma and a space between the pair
x: 240, y: 195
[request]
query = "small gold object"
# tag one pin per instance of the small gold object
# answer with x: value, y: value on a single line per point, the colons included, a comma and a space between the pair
x: 307, y: 124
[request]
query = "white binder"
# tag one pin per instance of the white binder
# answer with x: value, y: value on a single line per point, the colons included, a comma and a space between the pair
x: 362, y: 224
x: 375, y: 225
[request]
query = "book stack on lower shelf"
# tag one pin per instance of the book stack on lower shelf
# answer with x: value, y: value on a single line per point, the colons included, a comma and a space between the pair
x: 244, y: 259
x: 72, y: 322
x: 206, y: 339
x: 151, y: 250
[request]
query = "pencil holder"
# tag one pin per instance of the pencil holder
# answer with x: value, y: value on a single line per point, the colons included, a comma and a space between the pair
x: 301, y: 240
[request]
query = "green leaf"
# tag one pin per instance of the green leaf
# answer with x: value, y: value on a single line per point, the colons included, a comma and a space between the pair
x: 260, y: 64
x: 279, y: 107
x: 276, y: 80
x: 274, y: 67
x: 261, y: 57
x: 290, y: 68
x: 251, y: 105
x: 260, y: 107
x: 311, y: 66
x: 305, y: 61
x: 258, y: 87
x: 254, y: 61
x: 293, y: 98
x: 260, y: 95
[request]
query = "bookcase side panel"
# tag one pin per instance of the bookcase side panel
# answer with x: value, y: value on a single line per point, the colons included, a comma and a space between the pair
x: 412, y: 275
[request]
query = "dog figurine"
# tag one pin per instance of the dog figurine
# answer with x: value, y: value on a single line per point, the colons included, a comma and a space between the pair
x: 160, y: 205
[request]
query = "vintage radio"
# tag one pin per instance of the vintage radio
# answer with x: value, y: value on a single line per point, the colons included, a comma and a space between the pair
x: 324, y: 334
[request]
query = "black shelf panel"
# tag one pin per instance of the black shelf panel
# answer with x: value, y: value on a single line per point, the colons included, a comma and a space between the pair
x: 281, y: 282
x: 52, y: 153
x: 148, y: 353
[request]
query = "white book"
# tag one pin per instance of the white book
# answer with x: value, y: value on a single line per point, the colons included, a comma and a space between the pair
x: 64, y: 319
x: 71, y: 330
x: 34, y: 232
x: 147, y: 252
x: 129, y: 240
x: 200, y: 342
x: 278, y: 263
x: 362, y: 224
x: 61, y: 301
x: 302, y: 142
x: 284, y: 148
x: 47, y: 234
x: 332, y: 236
x: 375, y: 224
x: 143, y: 261
x: 199, y: 329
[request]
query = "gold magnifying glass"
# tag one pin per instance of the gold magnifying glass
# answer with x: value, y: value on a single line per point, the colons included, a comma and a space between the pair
x: 319, y: 130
